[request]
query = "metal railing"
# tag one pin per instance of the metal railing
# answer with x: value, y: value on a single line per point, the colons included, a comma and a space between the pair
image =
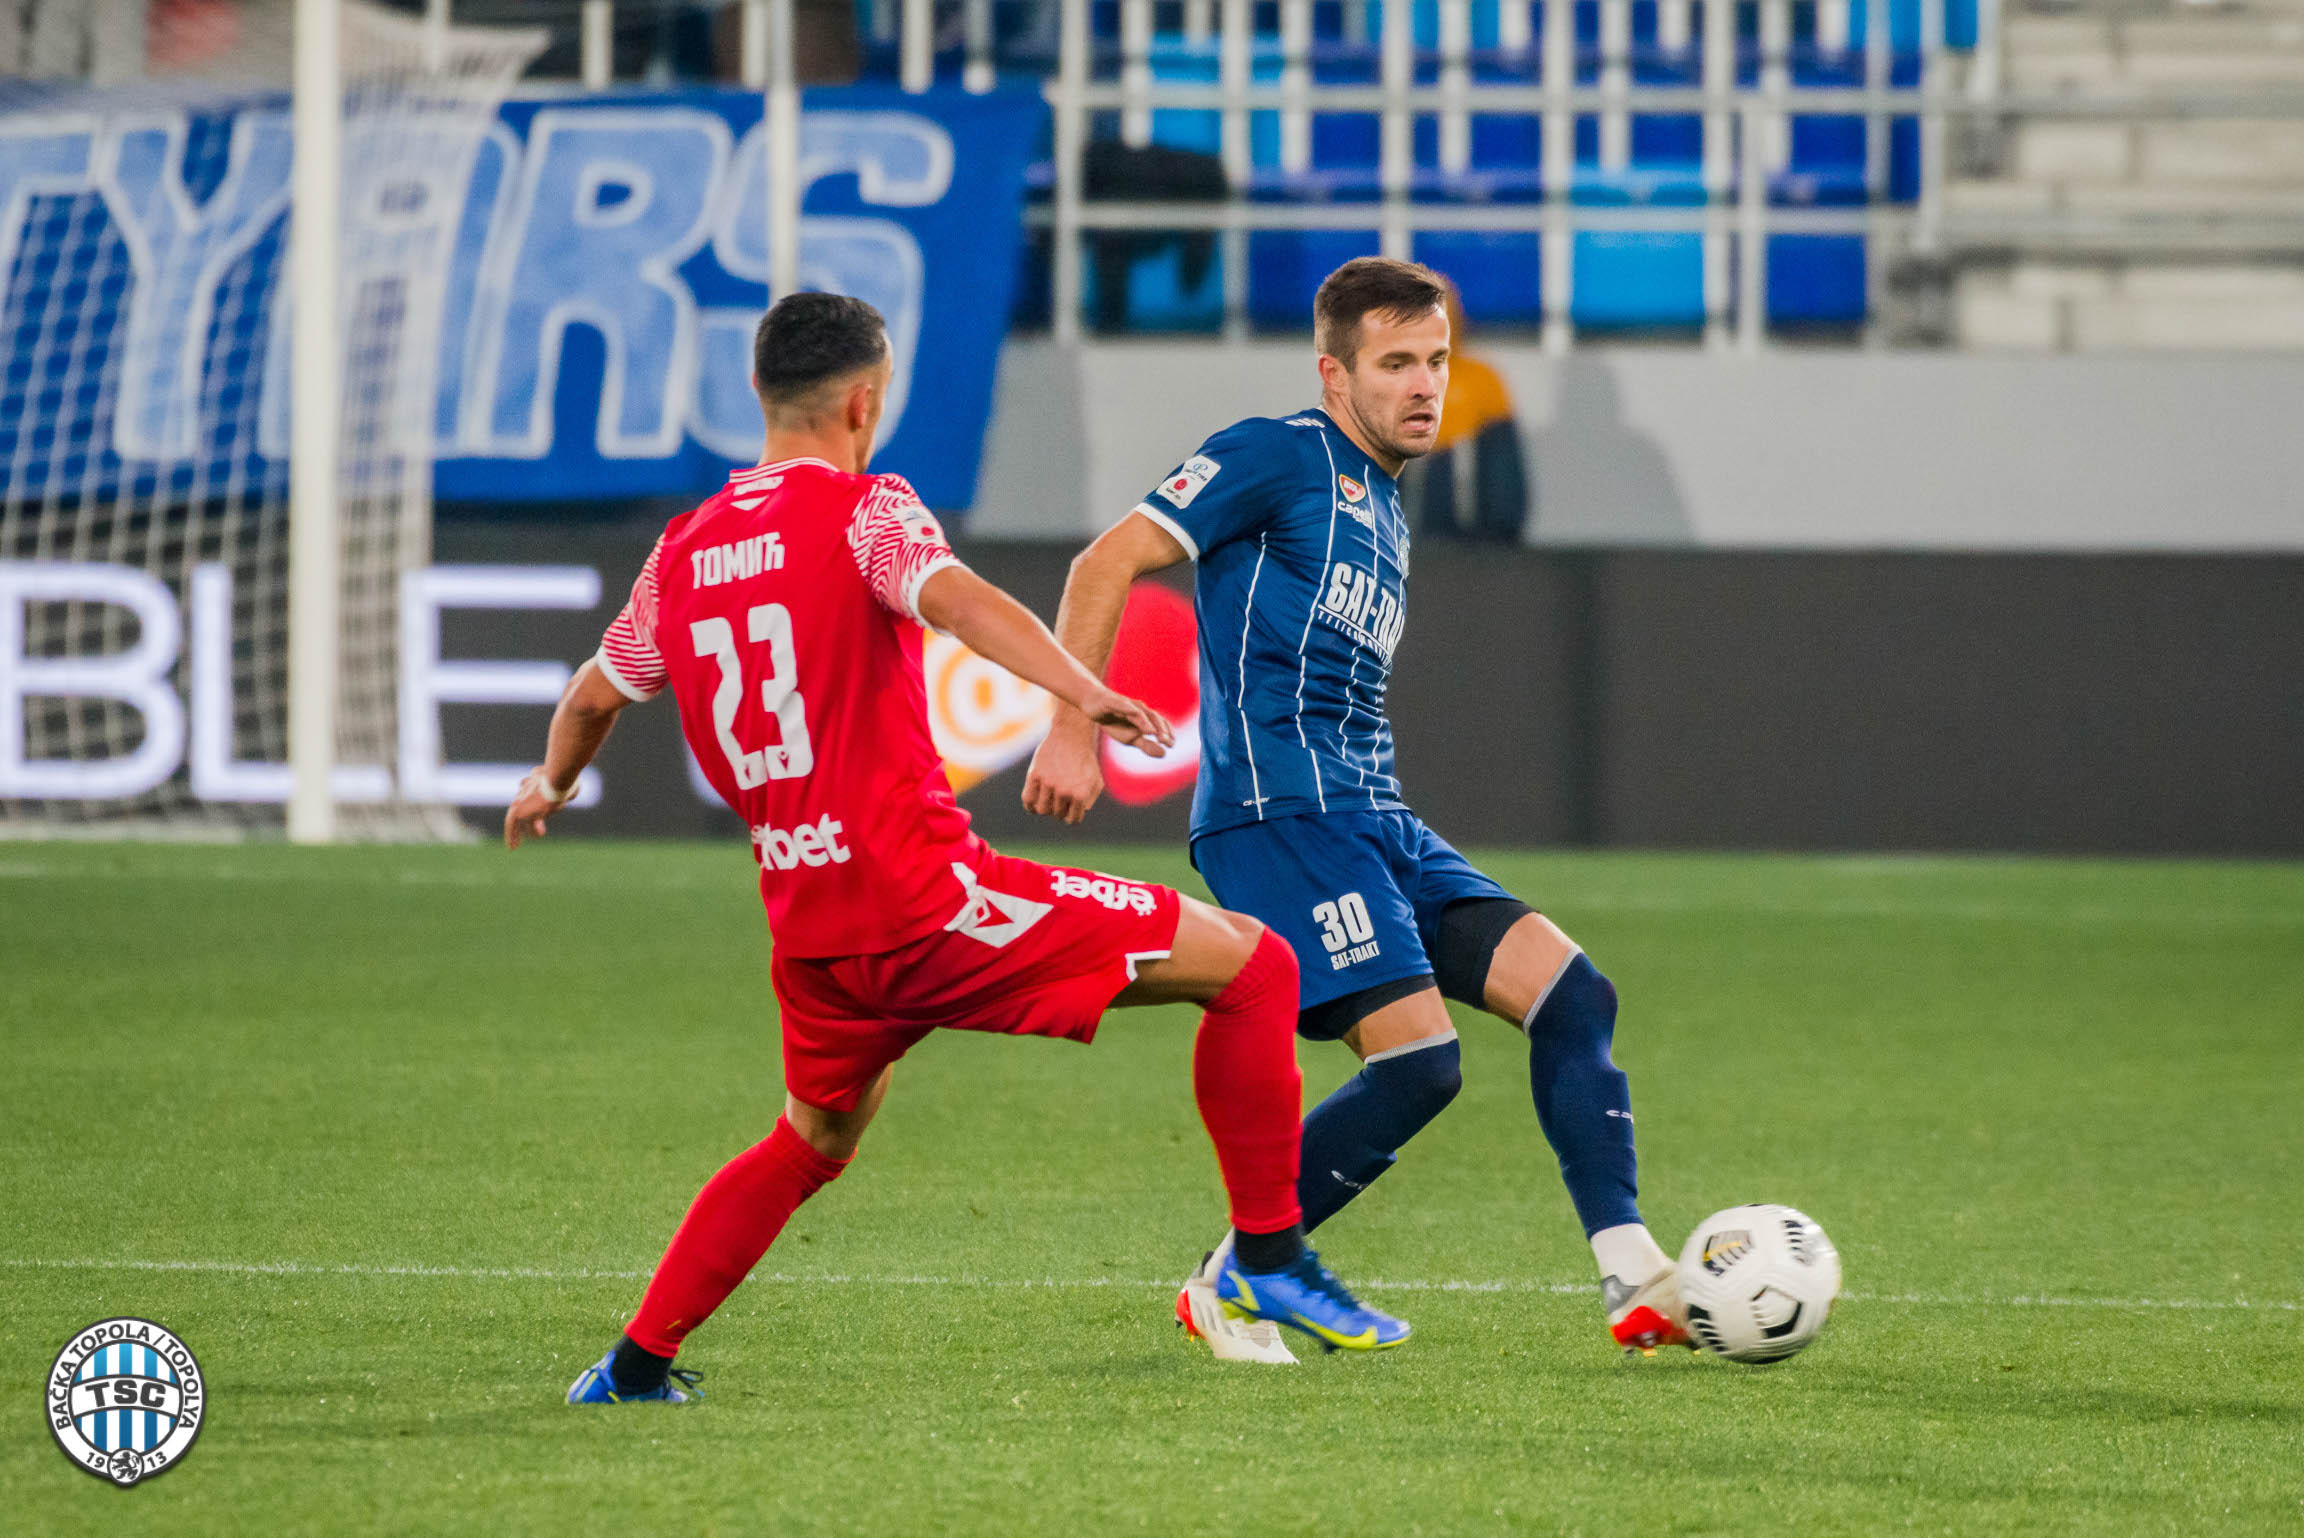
x: 1745, y: 134
x: 1745, y: 137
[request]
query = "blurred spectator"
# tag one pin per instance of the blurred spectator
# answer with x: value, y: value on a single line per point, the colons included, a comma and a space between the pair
x: 826, y: 49
x: 1474, y: 485
x: 1149, y: 173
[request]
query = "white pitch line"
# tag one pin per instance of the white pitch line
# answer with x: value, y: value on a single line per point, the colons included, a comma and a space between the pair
x: 838, y: 1279
x: 1727, y: 905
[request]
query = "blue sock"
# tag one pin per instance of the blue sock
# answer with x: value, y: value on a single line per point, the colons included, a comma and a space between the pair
x: 1350, y: 1137
x: 1582, y: 1097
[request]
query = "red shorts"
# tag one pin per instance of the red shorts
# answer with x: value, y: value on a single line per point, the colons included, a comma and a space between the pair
x: 1036, y: 950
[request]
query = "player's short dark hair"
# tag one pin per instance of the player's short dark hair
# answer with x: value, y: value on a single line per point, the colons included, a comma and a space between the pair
x: 1371, y: 285
x: 807, y: 339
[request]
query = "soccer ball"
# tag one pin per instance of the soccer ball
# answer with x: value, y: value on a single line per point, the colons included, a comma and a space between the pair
x: 1758, y: 1282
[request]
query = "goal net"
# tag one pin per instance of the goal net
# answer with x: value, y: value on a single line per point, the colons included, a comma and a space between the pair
x: 145, y: 399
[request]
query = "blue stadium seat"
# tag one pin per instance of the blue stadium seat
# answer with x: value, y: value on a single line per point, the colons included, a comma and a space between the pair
x: 1622, y: 279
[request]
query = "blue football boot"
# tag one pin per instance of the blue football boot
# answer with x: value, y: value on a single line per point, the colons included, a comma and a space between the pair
x: 1307, y: 1297
x: 594, y: 1386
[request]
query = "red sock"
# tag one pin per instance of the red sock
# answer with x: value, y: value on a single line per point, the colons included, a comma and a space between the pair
x: 729, y: 1227
x: 1251, y: 1094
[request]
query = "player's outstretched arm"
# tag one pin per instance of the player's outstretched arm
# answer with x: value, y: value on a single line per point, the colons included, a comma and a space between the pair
x: 587, y: 710
x: 996, y: 627
x: 1065, y: 779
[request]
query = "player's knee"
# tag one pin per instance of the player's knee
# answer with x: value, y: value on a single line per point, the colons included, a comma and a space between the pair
x: 1424, y: 1078
x: 1465, y: 943
x: 834, y: 1134
x: 1263, y: 965
x: 1578, y: 1011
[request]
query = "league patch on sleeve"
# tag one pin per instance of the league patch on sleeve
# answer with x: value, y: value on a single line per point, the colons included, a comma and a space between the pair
x: 1179, y: 489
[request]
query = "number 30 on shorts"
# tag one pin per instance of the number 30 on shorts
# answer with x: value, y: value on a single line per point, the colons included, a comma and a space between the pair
x: 1343, y: 922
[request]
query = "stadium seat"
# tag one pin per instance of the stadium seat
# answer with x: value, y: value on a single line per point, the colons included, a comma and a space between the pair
x: 1622, y: 279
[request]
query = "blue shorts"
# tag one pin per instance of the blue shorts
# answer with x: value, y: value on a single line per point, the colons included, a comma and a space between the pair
x: 1358, y: 895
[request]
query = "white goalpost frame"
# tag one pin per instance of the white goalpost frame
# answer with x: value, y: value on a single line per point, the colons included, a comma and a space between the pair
x: 782, y: 109
x: 289, y: 494
x: 315, y: 577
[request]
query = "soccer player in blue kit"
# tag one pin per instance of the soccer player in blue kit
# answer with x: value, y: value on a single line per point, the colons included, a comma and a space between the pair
x: 1302, y: 552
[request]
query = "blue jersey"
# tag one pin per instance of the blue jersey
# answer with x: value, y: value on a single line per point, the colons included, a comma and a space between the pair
x: 1301, y: 596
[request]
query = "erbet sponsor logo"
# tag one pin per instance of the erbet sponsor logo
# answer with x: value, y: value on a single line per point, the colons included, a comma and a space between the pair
x: 1112, y: 892
x: 1353, y: 490
x: 812, y: 844
x: 736, y: 560
x: 1359, y: 604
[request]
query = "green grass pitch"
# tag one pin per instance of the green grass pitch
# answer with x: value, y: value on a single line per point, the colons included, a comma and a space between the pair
x: 391, y: 1135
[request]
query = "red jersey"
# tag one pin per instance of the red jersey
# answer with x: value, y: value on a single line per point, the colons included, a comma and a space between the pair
x: 784, y: 616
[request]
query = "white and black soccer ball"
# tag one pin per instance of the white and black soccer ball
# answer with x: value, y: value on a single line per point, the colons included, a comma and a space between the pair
x: 1758, y: 1282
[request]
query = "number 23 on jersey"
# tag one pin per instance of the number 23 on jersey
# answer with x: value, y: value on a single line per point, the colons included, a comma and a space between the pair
x: 779, y: 695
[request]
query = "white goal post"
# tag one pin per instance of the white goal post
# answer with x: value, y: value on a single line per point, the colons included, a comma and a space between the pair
x: 315, y: 553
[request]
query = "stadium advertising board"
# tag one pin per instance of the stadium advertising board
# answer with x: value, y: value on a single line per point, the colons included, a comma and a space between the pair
x: 610, y: 258
x: 484, y: 650
x: 1641, y: 698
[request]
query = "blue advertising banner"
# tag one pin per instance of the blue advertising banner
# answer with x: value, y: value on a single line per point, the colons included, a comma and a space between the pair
x: 605, y: 263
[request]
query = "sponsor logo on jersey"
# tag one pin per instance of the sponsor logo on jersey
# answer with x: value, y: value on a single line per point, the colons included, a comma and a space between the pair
x: 920, y: 525
x: 1357, y: 604
x: 1179, y: 489
x: 1111, y: 891
x: 812, y: 844
x: 125, y: 1399
x: 1352, y: 489
x: 735, y: 561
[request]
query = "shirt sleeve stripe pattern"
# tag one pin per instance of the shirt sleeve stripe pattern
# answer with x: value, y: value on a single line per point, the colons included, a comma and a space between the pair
x: 897, y: 544
x: 628, y: 655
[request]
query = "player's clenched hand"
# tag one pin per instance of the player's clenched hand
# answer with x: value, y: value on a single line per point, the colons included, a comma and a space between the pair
x: 1065, y: 778
x: 534, y: 803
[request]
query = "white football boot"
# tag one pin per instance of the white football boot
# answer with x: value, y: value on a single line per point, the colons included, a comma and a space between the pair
x: 1203, y: 1317
x: 1647, y: 1316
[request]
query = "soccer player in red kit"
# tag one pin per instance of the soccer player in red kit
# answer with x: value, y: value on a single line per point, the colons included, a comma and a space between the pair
x: 783, y: 615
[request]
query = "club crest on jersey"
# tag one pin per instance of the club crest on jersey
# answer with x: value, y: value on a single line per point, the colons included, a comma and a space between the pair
x: 1179, y: 489
x: 1352, y: 489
